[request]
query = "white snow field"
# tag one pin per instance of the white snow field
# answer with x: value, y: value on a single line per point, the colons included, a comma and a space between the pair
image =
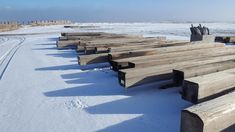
x: 43, y: 89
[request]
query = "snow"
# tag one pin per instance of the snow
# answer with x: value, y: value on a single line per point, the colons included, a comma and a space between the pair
x: 179, y: 31
x: 38, y: 30
x: 44, y: 89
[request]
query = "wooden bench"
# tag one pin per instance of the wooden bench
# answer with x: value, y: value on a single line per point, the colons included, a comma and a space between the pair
x: 205, y: 87
x: 211, y: 116
x: 116, y: 60
x: 212, y: 52
x: 184, y: 73
x: 138, y: 76
x: 105, y: 57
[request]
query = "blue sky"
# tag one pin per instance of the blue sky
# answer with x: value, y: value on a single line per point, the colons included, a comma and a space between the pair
x: 118, y: 10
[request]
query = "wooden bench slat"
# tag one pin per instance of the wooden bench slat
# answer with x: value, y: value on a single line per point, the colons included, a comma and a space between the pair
x: 184, y: 73
x: 205, y: 87
x: 211, y: 116
x: 116, y: 58
x: 131, y: 77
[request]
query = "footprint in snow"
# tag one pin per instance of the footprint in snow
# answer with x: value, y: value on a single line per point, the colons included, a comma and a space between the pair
x: 74, y: 104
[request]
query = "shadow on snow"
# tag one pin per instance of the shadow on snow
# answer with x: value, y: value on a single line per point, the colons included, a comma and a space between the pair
x: 156, y: 110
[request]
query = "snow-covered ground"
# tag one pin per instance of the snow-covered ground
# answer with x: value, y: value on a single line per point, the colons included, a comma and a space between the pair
x: 171, y: 30
x: 44, y: 89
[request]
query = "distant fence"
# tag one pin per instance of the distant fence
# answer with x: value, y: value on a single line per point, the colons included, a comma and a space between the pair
x: 49, y: 22
x: 8, y: 26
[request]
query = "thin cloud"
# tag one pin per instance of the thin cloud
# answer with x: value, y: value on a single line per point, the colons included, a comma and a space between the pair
x: 8, y: 7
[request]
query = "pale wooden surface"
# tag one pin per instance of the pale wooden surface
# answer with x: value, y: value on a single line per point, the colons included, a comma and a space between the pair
x: 184, y: 57
x: 135, y: 75
x: 172, y: 49
x: 209, y: 85
x: 183, y: 73
x: 211, y: 116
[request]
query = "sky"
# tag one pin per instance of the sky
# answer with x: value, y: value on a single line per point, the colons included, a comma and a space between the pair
x: 118, y: 10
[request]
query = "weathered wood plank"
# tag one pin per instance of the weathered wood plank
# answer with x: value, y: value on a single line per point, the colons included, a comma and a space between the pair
x: 160, y: 59
x: 89, y: 59
x: 96, y: 58
x: 99, y: 40
x: 67, y: 44
x: 78, y: 40
x: 85, y: 34
x: 104, y: 45
x: 136, y: 46
x: 129, y: 44
x: 143, y: 46
x: 151, y: 60
x: 84, y: 38
x: 211, y: 116
x: 138, y: 76
x: 106, y: 48
x: 116, y: 42
x: 191, y: 46
x: 200, y: 54
x: 92, y: 59
x: 205, y: 87
x: 184, y: 73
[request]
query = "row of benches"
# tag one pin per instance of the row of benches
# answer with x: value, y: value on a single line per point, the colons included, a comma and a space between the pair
x: 205, y: 71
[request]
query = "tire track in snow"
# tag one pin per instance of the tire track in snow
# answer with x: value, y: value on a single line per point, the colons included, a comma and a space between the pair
x: 7, y: 57
x: 3, y: 41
